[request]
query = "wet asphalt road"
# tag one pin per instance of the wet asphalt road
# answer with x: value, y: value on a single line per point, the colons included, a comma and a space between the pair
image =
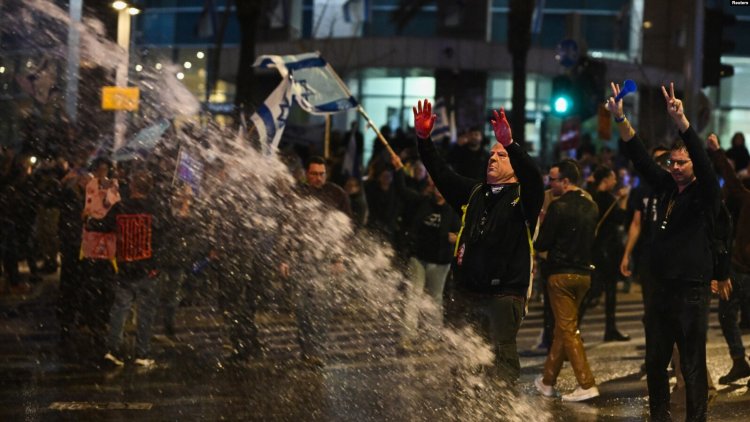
x: 366, y: 375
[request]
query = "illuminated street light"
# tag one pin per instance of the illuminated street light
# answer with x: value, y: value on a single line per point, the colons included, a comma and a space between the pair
x: 180, y: 75
x: 200, y: 55
x: 187, y: 65
x: 125, y: 12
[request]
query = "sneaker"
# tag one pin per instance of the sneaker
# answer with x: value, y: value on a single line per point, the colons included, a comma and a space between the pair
x: 144, y: 362
x: 615, y: 335
x: 113, y: 359
x: 544, y: 389
x: 579, y: 394
x: 740, y: 369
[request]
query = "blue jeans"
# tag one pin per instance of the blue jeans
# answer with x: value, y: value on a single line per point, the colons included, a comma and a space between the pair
x: 729, y: 313
x: 429, y: 278
x: 142, y: 292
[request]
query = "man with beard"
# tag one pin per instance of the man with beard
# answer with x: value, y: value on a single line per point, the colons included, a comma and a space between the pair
x: 681, y: 259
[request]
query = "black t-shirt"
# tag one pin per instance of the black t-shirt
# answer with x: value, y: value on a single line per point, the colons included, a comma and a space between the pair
x: 431, y: 233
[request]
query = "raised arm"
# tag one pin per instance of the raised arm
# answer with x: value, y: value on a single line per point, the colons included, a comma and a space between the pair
x: 455, y: 188
x: 528, y: 173
x: 399, y: 182
x: 634, y: 149
x: 704, y: 171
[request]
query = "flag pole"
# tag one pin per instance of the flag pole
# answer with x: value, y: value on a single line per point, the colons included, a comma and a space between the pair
x: 370, y: 123
x: 177, y: 167
x: 327, y: 144
x: 360, y: 109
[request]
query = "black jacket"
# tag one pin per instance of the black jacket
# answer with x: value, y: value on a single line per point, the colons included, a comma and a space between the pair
x: 567, y: 234
x: 494, y: 251
x: 427, y: 232
x: 682, y: 247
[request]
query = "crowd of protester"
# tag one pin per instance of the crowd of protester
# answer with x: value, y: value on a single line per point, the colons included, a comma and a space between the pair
x: 82, y: 217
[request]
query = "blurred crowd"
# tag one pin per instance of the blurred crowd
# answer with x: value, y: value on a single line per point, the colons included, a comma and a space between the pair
x: 57, y: 208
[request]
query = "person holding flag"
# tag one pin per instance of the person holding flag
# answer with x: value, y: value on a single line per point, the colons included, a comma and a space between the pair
x: 492, y: 263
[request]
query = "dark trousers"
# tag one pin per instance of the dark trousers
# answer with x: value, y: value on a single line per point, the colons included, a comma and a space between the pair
x: 238, y: 301
x: 677, y: 313
x: 18, y: 247
x: 729, y: 313
x: 69, y: 302
x: 97, y: 296
x: 602, y: 281
x: 497, y: 318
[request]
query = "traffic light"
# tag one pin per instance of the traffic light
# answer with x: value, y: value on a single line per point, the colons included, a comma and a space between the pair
x: 564, y: 97
x: 716, y: 43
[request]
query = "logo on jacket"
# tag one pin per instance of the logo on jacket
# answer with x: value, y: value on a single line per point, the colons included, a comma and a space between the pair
x: 460, y: 254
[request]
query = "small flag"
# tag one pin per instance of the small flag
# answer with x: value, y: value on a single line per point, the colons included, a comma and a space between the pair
x: 143, y: 143
x: 445, y: 126
x: 189, y: 170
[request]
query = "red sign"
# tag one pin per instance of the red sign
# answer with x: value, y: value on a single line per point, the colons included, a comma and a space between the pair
x: 133, y: 237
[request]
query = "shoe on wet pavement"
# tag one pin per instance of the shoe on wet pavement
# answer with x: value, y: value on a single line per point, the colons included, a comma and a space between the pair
x: 580, y: 394
x: 616, y: 335
x: 145, y: 362
x: 740, y: 369
x: 544, y: 389
x: 110, y: 357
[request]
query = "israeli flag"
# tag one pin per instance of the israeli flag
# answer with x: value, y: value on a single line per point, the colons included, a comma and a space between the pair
x: 270, y: 118
x: 315, y: 85
x: 308, y: 80
x: 445, y: 126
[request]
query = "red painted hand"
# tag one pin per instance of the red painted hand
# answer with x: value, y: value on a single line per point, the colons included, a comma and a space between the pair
x: 501, y: 127
x: 424, y: 120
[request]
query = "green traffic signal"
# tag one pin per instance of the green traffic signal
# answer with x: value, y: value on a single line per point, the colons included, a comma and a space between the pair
x: 562, y: 105
x: 563, y: 93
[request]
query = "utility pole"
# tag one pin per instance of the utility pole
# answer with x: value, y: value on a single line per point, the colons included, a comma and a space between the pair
x: 519, y: 42
x: 74, y: 59
x: 693, y: 65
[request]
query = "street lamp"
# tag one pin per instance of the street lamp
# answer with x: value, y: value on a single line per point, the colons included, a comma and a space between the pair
x: 124, y: 13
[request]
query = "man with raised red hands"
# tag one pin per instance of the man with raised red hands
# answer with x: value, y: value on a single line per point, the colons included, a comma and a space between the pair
x: 492, y: 262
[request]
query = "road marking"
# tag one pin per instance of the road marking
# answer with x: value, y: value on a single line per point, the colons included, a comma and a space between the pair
x: 82, y: 405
